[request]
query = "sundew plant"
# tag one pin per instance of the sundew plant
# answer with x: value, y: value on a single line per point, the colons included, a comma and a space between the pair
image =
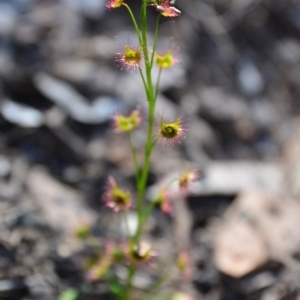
x: 136, y: 252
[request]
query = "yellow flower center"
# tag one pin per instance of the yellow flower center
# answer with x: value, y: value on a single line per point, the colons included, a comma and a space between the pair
x: 128, y: 123
x: 120, y: 197
x: 169, y: 130
x: 164, y: 61
x: 132, y: 56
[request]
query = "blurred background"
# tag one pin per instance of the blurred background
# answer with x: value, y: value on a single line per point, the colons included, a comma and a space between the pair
x: 237, y: 87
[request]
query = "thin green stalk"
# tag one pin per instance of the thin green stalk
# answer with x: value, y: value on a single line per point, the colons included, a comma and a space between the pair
x: 144, y: 82
x: 163, y: 295
x: 143, y: 175
x: 157, y: 83
x: 131, y: 272
x: 155, y: 39
x: 149, y: 146
x: 145, y: 171
x: 152, y: 204
x: 141, y: 192
x: 136, y: 27
x: 149, y: 210
x: 134, y: 156
x: 145, y: 51
x: 154, y: 288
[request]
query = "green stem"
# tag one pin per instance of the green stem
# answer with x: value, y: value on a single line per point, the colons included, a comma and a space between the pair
x: 131, y: 272
x: 148, y: 66
x: 144, y: 82
x: 134, y: 22
x: 141, y: 193
x: 149, y: 145
x: 155, y: 39
x: 143, y: 174
x: 155, y: 287
x: 149, y: 210
x: 151, y: 205
x: 163, y: 295
x: 134, y: 156
x: 157, y: 83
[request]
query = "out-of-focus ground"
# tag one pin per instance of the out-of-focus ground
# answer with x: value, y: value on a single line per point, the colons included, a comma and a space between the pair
x: 238, y: 88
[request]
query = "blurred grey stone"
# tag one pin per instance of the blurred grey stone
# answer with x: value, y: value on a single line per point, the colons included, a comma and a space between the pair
x: 39, y: 287
x: 77, y: 106
x: 103, y: 108
x: 129, y: 227
x: 8, y: 18
x: 199, y: 135
x: 26, y: 33
x: 69, y: 27
x: 41, y: 15
x: 261, y: 281
x: 76, y: 70
x: 258, y: 227
x: 171, y: 78
x: 233, y: 177
x: 129, y: 87
x: 220, y: 105
x: 291, y: 159
x: 55, y: 117
x: 165, y: 108
x: 288, y: 50
x: 6, y: 61
x: 11, y: 285
x: 142, y: 280
x: 12, y: 188
x: 91, y: 8
x: 264, y: 113
x: 22, y: 115
x: 100, y: 47
x: 5, y: 166
x: 108, y: 79
x: 72, y: 174
x: 250, y: 79
x: 58, y: 202
x: 97, y: 148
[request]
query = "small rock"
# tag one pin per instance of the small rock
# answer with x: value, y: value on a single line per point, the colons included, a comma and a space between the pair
x: 258, y: 228
x: 100, y: 47
x: 91, y: 8
x: 22, y: 115
x: 62, y: 207
x: 233, y: 177
x: 264, y: 114
x: 291, y: 160
x: 65, y: 96
x: 76, y: 70
x: 250, y: 79
x: 5, y: 166
x: 289, y: 50
x: 8, y: 18
x: 129, y: 227
x: 238, y: 248
x: 219, y: 105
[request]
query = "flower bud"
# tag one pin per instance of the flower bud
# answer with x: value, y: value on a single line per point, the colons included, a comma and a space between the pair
x: 186, y: 179
x: 127, y: 123
x: 116, y: 198
x: 166, y: 60
x: 171, y: 132
x: 129, y: 58
x: 141, y: 253
x: 113, y: 4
